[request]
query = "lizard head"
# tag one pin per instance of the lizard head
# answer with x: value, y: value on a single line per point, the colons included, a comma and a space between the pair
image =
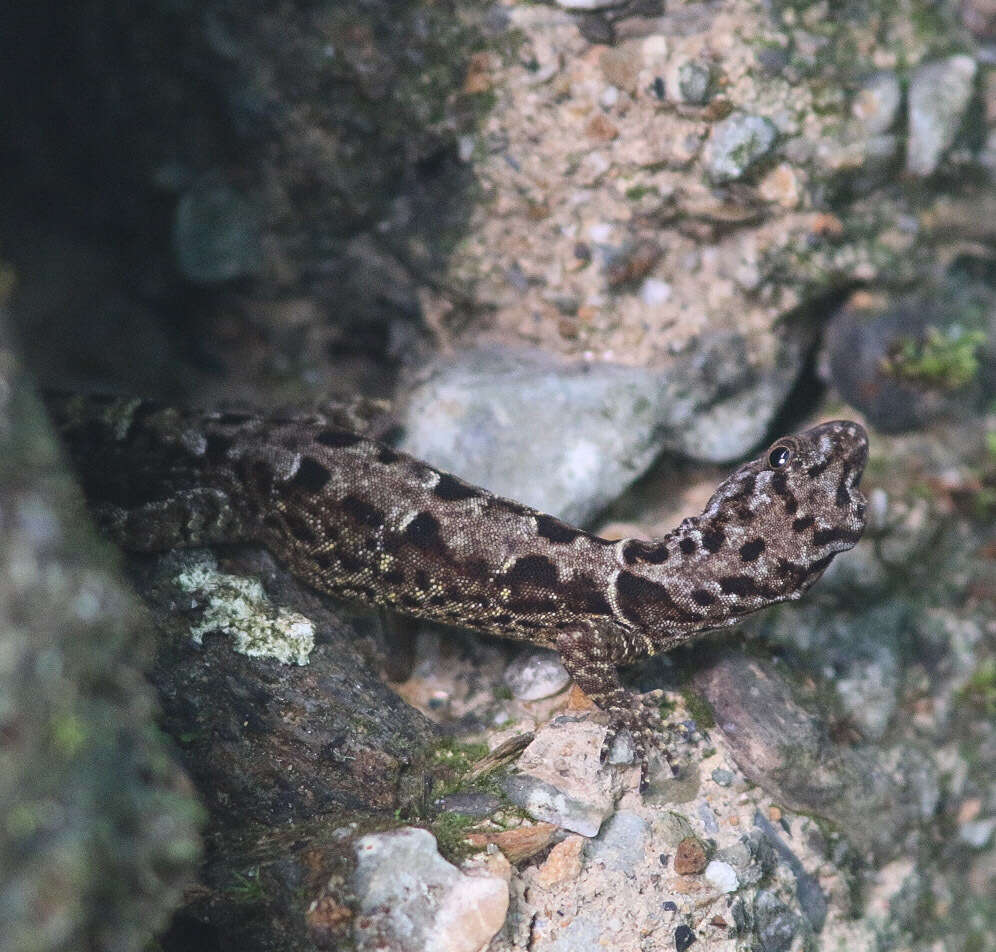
x: 800, y: 498
x: 767, y: 534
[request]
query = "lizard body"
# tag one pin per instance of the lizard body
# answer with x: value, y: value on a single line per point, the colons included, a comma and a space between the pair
x: 360, y: 520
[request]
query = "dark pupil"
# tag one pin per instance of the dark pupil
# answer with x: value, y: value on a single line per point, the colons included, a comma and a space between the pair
x: 779, y: 457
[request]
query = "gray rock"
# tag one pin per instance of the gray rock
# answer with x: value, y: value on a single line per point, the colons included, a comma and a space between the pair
x: 412, y: 900
x: 876, y: 796
x: 536, y: 674
x: 939, y: 94
x: 724, y: 778
x: 694, y: 81
x: 215, y: 235
x: 736, y: 144
x: 545, y: 802
x: 708, y: 818
x: 622, y: 843
x: 775, y: 923
x: 568, y: 438
x: 876, y: 104
x: 807, y: 890
x: 99, y: 835
x: 589, y: 4
x: 473, y: 804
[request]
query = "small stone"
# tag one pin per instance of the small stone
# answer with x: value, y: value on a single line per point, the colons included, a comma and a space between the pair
x: 736, y: 144
x: 977, y: 833
x: 412, y: 900
x: 723, y: 876
x: 939, y: 94
x: 690, y: 857
x: 653, y: 292
x: 693, y: 83
x: 774, y: 814
x: 877, y: 103
x: 520, y: 843
x: 536, y: 674
x: 601, y: 129
x: 782, y: 186
x: 563, y: 863
x: 683, y: 938
x: 776, y: 924
x: 722, y: 777
x: 708, y: 818
x: 473, y: 804
x: 669, y: 906
x: 215, y: 235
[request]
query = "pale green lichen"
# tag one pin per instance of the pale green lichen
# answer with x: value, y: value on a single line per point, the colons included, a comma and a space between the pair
x: 240, y: 608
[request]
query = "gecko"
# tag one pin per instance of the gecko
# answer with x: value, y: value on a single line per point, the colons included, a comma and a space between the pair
x: 359, y: 520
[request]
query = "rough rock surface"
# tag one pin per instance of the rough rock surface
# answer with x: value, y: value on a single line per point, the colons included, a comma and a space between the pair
x: 100, y: 826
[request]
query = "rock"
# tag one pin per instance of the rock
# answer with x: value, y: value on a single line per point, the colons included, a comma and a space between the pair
x: 722, y: 875
x: 411, y: 900
x: 568, y: 438
x: 876, y: 104
x: 776, y: 925
x: 692, y: 83
x: 533, y: 675
x: 977, y: 833
x: 517, y: 844
x: 561, y: 778
x: 906, y: 365
x: 807, y: 889
x: 621, y: 844
x: 708, y: 818
x: 215, y: 235
x: 738, y: 143
x: 939, y: 94
x: 690, y: 857
x: 684, y: 938
x: 473, y: 803
x: 563, y: 863
x: 100, y: 829
x: 777, y: 744
x: 723, y: 778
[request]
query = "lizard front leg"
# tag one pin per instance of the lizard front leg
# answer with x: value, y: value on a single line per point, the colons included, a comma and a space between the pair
x: 591, y: 653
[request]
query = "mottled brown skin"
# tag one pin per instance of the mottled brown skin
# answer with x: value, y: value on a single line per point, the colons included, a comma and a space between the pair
x: 359, y: 520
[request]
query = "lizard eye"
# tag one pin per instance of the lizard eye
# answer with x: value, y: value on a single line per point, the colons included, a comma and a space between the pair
x: 779, y: 457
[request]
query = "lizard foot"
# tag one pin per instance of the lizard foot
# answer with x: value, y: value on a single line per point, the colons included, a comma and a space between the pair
x: 640, y: 715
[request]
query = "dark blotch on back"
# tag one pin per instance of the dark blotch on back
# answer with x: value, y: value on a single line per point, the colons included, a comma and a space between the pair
x: 749, y: 551
x: 687, y: 546
x: 386, y: 455
x: 643, y: 601
x: 362, y: 511
x: 826, y: 536
x: 217, y: 447
x: 843, y: 497
x: 739, y: 585
x: 803, y: 523
x: 452, y: 489
x: 701, y: 597
x: 636, y: 550
x: 311, y: 475
x: 423, y: 531
x: 535, y: 570
x: 554, y: 530
x: 338, y: 439
x: 713, y: 539
x: 234, y: 419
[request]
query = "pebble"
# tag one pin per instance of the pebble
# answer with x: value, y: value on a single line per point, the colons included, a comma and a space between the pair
x: 776, y: 924
x: 722, y: 875
x: 736, y: 144
x: 690, y: 857
x: 876, y: 104
x: 977, y: 833
x: 722, y: 777
x: 413, y: 900
x: 683, y: 938
x: 939, y: 94
x: 708, y: 818
x: 533, y: 675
